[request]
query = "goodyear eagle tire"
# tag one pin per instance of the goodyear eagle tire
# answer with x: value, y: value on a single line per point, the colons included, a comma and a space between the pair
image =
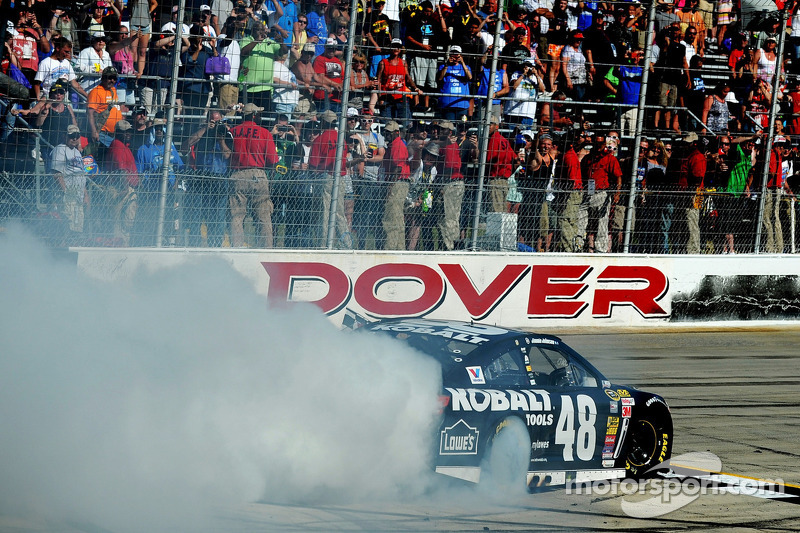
x: 650, y: 441
x: 504, y: 468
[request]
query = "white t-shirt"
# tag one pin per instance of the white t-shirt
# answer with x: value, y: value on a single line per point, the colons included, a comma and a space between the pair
x: 90, y: 62
x: 68, y: 162
x: 234, y: 54
x: 51, y: 70
x: 283, y: 94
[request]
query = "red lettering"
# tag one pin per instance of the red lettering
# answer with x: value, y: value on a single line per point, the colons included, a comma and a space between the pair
x: 481, y: 304
x: 554, y: 291
x: 644, y: 299
x: 366, y: 288
x: 282, y: 277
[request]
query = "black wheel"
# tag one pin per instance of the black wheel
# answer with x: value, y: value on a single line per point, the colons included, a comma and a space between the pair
x: 649, y: 441
x: 504, y: 468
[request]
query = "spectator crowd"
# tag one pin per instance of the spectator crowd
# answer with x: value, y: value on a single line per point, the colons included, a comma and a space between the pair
x: 537, y: 103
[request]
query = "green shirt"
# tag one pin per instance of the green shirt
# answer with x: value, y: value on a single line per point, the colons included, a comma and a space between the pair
x: 258, y: 64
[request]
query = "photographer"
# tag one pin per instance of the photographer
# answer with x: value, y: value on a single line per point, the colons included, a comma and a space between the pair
x: 525, y: 86
x: 207, y: 199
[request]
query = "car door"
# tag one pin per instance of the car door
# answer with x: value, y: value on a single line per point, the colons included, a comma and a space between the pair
x: 578, y: 438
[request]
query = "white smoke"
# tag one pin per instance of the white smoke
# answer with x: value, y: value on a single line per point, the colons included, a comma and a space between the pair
x: 153, y: 404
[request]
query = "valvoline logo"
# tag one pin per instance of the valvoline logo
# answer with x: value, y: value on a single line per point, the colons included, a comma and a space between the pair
x: 476, y: 375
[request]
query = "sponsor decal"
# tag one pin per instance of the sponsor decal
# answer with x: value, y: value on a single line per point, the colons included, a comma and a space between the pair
x: 608, y: 463
x: 459, y: 439
x: 611, y: 431
x: 539, y: 419
x: 626, y: 411
x: 613, y: 421
x: 605, y: 384
x: 555, y: 291
x: 528, y: 368
x: 662, y: 456
x: 608, y: 452
x: 610, y: 440
x: 455, y: 331
x: 613, y: 407
x: 543, y: 341
x: 476, y: 375
x: 623, y: 393
x: 527, y: 360
x: 533, y: 382
x: 480, y: 400
x: 540, y: 445
x: 612, y: 394
x: 627, y: 401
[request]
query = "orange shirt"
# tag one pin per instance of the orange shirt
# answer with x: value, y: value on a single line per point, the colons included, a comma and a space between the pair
x: 99, y: 100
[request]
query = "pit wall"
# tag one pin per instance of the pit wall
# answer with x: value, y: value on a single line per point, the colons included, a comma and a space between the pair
x: 512, y: 289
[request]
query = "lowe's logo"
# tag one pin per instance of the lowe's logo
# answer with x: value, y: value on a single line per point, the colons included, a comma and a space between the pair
x: 459, y: 439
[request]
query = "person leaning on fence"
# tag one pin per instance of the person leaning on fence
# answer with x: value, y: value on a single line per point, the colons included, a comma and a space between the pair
x: 123, y: 182
x: 369, y: 191
x: 499, y: 158
x: 66, y: 163
x: 102, y: 111
x: 772, y: 227
x: 253, y: 152
x: 570, y: 180
x: 452, y: 190
x: 323, y: 160
x: 602, y: 174
x: 397, y: 174
x: 691, y: 178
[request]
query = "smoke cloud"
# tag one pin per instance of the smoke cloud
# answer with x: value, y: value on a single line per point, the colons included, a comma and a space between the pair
x: 154, y: 404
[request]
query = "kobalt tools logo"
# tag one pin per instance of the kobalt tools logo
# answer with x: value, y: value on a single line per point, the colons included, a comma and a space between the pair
x: 459, y: 439
x: 555, y: 291
x: 498, y: 400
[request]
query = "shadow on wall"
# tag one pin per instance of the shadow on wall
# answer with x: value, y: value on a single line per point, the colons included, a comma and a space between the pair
x: 740, y: 298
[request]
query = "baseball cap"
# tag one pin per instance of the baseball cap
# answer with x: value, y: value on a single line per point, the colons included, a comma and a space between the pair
x: 494, y: 120
x: 322, y: 2
x: 328, y: 116
x: 529, y: 61
x: 58, y: 85
x: 577, y: 35
x: 140, y: 111
x: 397, y: 42
x: 205, y: 7
x: 174, y: 9
x: 331, y: 42
x: 447, y: 125
x: 527, y: 133
x: 72, y: 129
x: 367, y: 112
x: 251, y: 108
x: 454, y: 49
x: 690, y: 137
x: 391, y: 126
x: 432, y: 149
x: 122, y: 125
x: 352, y: 112
x: 310, y: 47
x: 109, y: 72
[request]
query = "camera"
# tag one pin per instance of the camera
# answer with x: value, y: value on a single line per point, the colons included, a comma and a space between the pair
x: 283, y: 128
x: 221, y: 130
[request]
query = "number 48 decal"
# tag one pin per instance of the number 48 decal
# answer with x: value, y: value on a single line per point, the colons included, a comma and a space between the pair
x: 584, y: 441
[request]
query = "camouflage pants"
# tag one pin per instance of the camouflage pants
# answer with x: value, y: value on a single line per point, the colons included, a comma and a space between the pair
x: 251, y: 190
x: 452, y: 196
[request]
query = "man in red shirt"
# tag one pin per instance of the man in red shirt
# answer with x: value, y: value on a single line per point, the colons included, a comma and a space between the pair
x: 693, y: 171
x: 253, y: 152
x: 322, y: 158
x: 121, y: 192
x: 499, y: 158
x: 396, y: 174
x: 600, y: 171
x: 568, y: 171
x: 771, y: 222
x: 453, y: 188
x: 329, y: 74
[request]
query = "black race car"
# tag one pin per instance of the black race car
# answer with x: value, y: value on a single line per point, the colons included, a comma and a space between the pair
x: 577, y: 425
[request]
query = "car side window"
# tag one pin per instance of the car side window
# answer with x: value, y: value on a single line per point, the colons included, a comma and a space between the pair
x: 557, y: 369
x: 504, y: 370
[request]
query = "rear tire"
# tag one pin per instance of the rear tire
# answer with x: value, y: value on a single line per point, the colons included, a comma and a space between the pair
x: 650, y: 442
x: 504, y: 468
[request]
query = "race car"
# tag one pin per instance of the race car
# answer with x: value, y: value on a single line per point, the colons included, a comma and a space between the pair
x: 570, y: 424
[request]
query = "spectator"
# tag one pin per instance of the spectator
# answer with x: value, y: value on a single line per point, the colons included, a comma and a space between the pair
x: 258, y: 57
x: 227, y: 88
x: 123, y: 181
x: 600, y: 55
x: 673, y: 71
x: 209, y: 190
x: 472, y: 49
x: 66, y: 163
x: 28, y: 44
x: 253, y: 151
x: 454, y: 77
x: 716, y: 114
x: 692, y: 43
x: 771, y: 224
x: 64, y: 22
x: 695, y: 94
x: 195, y: 88
x: 630, y: 84
x: 285, y: 23
x: 361, y: 86
x: 323, y: 159
x: 56, y: 67
x: 570, y: 180
x: 378, y: 36
x: 621, y: 32
x: 104, y: 19
x: 317, y: 26
x: 499, y: 158
x: 765, y: 60
x: 172, y: 25
x: 725, y: 18
x: 55, y: 114
x: 514, y: 53
x: 122, y: 57
x: 369, y: 190
x: 286, y: 94
x: 773, y: 27
x: 142, y: 129
x: 150, y: 166
x: 501, y: 89
x: 303, y: 70
x: 339, y: 34
x: 141, y: 24
x: 539, y: 214
x: 525, y: 86
x: 91, y: 62
x: 691, y: 178
x: 452, y: 189
x: 602, y: 174
x: 393, y: 76
x: 653, y: 171
x: 397, y: 174
x: 425, y: 37
x: 159, y: 70
x: 328, y: 77
x: 573, y: 64
x: 691, y: 17
x: 102, y: 111
x: 665, y: 16
x: 420, y: 215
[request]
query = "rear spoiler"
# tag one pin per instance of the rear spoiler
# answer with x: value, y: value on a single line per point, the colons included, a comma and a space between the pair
x: 353, y: 320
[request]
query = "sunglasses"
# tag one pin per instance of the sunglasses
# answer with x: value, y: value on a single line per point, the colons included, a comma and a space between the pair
x: 303, y: 21
x: 74, y: 136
